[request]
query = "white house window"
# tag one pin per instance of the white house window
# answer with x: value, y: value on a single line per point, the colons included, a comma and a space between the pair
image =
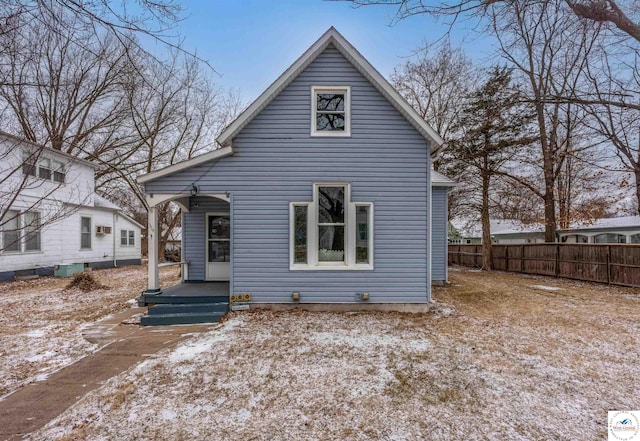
x: 59, y: 174
x: 31, y: 231
x: 331, y: 224
x: 127, y: 238
x: 11, y: 231
x: 29, y: 164
x: 331, y: 232
x: 331, y: 111
x: 300, y: 234
x: 44, y: 168
x: 85, y: 233
x: 21, y: 231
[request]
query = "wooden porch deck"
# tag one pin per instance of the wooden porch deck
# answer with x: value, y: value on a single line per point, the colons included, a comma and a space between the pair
x: 182, y: 293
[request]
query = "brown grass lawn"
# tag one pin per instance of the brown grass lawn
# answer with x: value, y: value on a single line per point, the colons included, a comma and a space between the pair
x: 502, y: 357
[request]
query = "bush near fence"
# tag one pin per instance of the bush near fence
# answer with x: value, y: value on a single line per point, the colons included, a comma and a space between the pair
x: 615, y: 264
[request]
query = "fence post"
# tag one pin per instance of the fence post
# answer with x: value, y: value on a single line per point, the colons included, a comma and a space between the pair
x: 557, y: 260
x: 522, y: 258
x: 608, y: 264
x: 506, y: 257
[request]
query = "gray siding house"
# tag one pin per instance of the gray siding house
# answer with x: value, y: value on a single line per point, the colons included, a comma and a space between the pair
x: 322, y: 187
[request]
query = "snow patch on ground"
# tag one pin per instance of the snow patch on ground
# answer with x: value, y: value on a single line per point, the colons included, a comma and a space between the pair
x: 546, y: 288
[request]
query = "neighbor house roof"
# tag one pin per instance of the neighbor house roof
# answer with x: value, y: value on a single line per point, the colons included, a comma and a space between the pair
x: 48, y: 149
x: 470, y: 228
x: 440, y: 180
x: 331, y: 37
x: 625, y: 222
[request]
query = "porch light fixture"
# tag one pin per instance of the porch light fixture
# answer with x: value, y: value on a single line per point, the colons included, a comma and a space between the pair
x: 194, y: 189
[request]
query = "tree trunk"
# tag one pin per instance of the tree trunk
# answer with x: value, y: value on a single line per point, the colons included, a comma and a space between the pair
x: 637, y: 174
x: 487, y: 250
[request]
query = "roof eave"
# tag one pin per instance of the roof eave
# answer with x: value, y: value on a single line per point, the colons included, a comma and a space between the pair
x: 200, y: 159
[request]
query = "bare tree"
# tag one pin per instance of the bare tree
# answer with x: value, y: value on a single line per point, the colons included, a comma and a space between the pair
x: 436, y: 85
x: 624, y: 19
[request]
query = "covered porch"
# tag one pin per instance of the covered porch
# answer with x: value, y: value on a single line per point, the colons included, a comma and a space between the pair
x: 203, y: 295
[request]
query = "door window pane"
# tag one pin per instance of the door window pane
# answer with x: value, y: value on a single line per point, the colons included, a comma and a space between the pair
x: 32, y: 231
x: 219, y: 227
x: 219, y: 251
x: 300, y: 231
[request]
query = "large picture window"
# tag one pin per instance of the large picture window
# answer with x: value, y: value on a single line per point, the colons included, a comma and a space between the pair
x: 330, y: 111
x: 331, y: 232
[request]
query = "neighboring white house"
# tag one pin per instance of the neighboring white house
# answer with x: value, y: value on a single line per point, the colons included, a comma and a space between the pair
x: 613, y: 230
x: 50, y: 214
x: 503, y: 231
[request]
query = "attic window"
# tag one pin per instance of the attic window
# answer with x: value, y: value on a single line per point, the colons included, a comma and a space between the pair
x: 331, y: 111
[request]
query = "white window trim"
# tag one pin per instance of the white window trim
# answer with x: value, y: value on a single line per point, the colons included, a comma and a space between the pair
x: 90, y: 232
x: 347, y: 111
x: 127, y: 244
x: 351, y: 227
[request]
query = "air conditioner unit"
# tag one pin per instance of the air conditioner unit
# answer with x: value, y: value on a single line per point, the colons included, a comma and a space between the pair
x: 103, y: 229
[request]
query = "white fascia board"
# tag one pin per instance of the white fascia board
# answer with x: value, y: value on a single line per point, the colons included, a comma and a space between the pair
x: 201, y: 159
x: 332, y: 36
x: 227, y: 135
x: 387, y: 90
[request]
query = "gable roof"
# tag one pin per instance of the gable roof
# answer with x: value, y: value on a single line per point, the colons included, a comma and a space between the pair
x: 332, y: 37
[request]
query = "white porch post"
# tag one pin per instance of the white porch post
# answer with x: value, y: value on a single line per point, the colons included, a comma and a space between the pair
x: 152, y: 251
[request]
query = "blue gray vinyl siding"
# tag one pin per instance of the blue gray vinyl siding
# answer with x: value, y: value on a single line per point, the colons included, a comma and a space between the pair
x: 439, y: 234
x: 276, y: 162
x: 194, y: 230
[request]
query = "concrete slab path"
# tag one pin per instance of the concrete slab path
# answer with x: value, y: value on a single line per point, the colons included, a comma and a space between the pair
x: 122, y: 346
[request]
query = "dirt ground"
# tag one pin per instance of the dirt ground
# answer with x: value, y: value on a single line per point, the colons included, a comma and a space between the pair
x: 41, y: 322
x: 502, y: 357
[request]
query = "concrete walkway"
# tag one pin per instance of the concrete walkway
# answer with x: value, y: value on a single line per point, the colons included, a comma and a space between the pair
x: 123, y: 346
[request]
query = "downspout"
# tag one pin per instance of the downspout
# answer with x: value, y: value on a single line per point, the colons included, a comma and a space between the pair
x: 113, y: 233
x: 430, y: 221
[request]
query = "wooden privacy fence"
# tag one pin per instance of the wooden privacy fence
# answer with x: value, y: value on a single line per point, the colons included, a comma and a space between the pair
x: 616, y: 264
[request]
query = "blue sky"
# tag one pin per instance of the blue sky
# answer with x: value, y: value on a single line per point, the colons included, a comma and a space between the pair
x: 251, y: 42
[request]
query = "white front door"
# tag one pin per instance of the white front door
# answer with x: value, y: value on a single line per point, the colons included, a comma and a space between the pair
x: 218, y: 246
